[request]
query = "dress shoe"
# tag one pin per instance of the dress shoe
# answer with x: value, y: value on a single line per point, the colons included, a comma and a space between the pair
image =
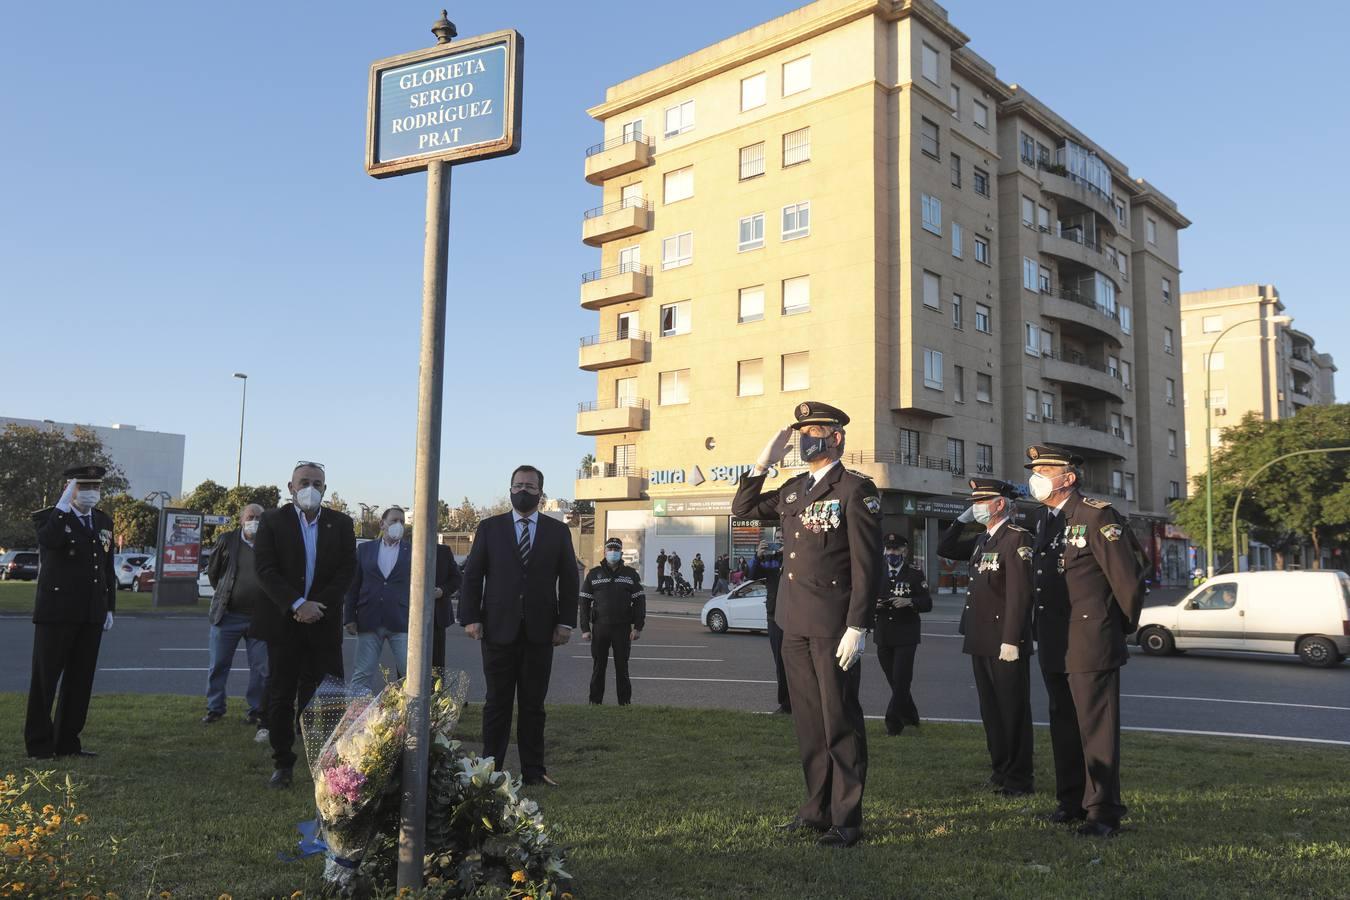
x: 840, y: 837
x: 1063, y: 816
x: 87, y: 754
x: 281, y: 778
x: 212, y: 717
x: 797, y: 823
x: 993, y: 783
x: 894, y: 732
x: 253, y: 718
x: 42, y: 756
x: 541, y: 779
x: 783, y: 711
x: 1015, y: 792
x: 1098, y: 829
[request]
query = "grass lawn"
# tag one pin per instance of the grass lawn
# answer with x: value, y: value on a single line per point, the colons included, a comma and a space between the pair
x: 660, y: 802
x: 16, y: 597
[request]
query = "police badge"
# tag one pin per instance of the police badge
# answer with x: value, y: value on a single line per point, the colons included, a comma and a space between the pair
x: 1024, y: 553
x: 873, y: 505
x: 1111, y: 532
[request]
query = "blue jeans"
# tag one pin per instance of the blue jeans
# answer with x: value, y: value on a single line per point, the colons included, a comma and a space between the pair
x: 368, y: 647
x: 224, y: 641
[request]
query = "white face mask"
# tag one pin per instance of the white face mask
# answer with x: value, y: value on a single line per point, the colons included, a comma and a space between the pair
x: 250, y: 528
x: 394, y: 530
x: 1040, y: 486
x: 87, y: 499
x: 982, y: 513
x: 308, y: 498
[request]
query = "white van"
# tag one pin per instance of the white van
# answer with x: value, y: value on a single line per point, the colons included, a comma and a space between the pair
x: 1307, y: 613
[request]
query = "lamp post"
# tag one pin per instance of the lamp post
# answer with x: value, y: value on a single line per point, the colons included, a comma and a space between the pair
x: 1209, y: 444
x: 239, y: 468
x: 1248, y: 483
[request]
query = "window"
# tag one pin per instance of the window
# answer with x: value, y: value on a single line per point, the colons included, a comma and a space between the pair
x: 631, y: 195
x: 630, y: 258
x: 1167, y: 290
x: 959, y: 384
x: 1043, y: 282
x: 679, y: 185
x: 1042, y: 154
x: 1167, y: 340
x: 1028, y: 148
x: 954, y: 98
x: 626, y: 324
x: 956, y: 456
x: 679, y: 118
x: 981, y: 182
x: 1113, y: 366
x: 1032, y: 404
x: 625, y: 391
x: 796, y: 295
x: 1171, y: 442
x: 1213, y: 361
x: 750, y: 305
x: 958, y: 321
x: 1170, y: 391
x: 1042, y: 218
x: 928, y: 57
x: 796, y: 371
x: 752, y: 161
x: 796, y: 147
x: 1211, y: 324
x: 909, y: 446
x: 928, y: 138
x: 1173, y: 490
x: 1115, y: 425
x: 984, y: 458
x: 1218, y: 401
x: 1033, y: 341
x: 981, y: 116
x: 796, y: 220
x: 632, y: 131
x: 932, y: 368
x: 1030, y: 272
x: 1117, y: 483
x: 1129, y: 487
x: 932, y: 290
x: 957, y: 249
x: 677, y: 251
x: 984, y: 387
x: 981, y: 250
x: 1028, y: 210
x: 674, y: 387
x: 1123, y: 263
x: 796, y: 75
x: 625, y: 458
x: 1047, y: 342
x: 1214, y: 440
x: 956, y: 170
x: 1120, y: 209
x: 932, y: 214
x: 1127, y: 424
x: 1047, y: 406
x: 751, y: 236
x: 1126, y: 319
x: 983, y: 320
x: 1151, y: 231
x: 753, y: 91
x: 675, y: 318
x: 749, y: 378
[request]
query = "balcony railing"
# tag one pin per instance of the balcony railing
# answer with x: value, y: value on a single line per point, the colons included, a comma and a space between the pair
x: 621, y: 403
x: 1081, y: 300
x: 1056, y: 169
x: 611, y: 336
x: 1073, y: 357
x: 1078, y: 237
x: 620, y: 269
x: 896, y: 457
x: 616, y: 206
x: 629, y: 138
x: 610, y: 470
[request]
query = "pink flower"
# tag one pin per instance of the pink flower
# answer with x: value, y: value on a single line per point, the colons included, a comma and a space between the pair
x: 344, y: 781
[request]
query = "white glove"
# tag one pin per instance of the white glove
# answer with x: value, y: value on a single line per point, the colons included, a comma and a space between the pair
x: 968, y: 515
x: 67, y: 497
x: 775, y: 450
x: 851, y: 647
x: 1007, y: 652
x: 107, y: 622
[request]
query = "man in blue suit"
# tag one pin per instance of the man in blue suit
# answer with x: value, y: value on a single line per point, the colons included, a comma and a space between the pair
x: 376, y: 610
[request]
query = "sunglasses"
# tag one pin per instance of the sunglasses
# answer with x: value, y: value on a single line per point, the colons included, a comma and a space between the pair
x: 306, y: 462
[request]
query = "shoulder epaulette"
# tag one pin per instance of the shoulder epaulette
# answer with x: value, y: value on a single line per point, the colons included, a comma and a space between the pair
x: 859, y: 474
x: 1095, y: 503
x: 1013, y: 527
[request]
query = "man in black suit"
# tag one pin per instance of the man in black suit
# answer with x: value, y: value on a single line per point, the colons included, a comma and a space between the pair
x: 519, y: 597
x: 447, y: 582
x: 904, y: 595
x: 305, y: 558
x: 76, y: 596
x: 831, y: 521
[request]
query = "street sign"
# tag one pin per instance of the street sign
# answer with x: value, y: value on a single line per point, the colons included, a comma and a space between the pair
x: 455, y: 102
x: 215, y: 520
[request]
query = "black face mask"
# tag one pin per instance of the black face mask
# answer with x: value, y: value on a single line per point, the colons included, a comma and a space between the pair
x: 524, y: 501
x: 813, y: 448
x: 895, y: 559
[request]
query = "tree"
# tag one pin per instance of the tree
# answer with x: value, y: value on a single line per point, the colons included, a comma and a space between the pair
x: 464, y: 517
x: 207, y: 497
x: 587, y: 461
x: 31, y: 463
x: 335, y: 502
x: 443, y: 517
x: 495, y: 508
x: 135, y: 522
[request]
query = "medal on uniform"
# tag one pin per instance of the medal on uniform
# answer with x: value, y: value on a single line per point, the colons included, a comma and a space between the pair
x: 792, y: 497
x: 1076, y: 536
x: 988, y: 563
x: 106, y: 537
x: 833, y: 509
x: 1059, y: 564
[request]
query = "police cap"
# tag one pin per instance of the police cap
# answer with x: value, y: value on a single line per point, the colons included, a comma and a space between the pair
x: 614, y: 544
x: 812, y: 412
x: 85, y: 473
x: 987, y: 488
x: 1050, y: 455
x: 896, y: 540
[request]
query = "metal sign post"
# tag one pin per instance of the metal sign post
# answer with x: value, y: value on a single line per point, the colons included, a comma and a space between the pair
x: 455, y: 102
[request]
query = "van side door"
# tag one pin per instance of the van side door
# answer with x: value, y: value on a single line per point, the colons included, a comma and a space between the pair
x: 1213, y: 618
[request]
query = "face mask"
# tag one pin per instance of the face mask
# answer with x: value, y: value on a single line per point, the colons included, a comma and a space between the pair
x: 613, y: 557
x: 308, y: 498
x: 394, y: 530
x: 524, y: 501
x: 981, y: 513
x: 895, y: 559
x: 87, y: 499
x: 813, y: 448
x: 250, y: 528
x: 1040, y: 487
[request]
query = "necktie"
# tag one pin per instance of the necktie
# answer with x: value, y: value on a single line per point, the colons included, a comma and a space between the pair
x: 523, y: 546
x: 88, y: 522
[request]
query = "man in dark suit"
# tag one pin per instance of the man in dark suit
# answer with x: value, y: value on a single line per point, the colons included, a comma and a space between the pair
x: 1089, y: 592
x: 447, y: 583
x: 519, y: 597
x: 831, y: 521
x: 305, y: 557
x: 76, y: 596
x: 376, y: 609
x: 904, y: 595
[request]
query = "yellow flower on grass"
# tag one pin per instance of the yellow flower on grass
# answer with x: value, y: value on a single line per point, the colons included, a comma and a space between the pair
x: 54, y: 820
x: 4, y: 828
x: 224, y: 897
x: 48, y: 809
x: 166, y: 895
x: 13, y: 849
x: 519, y: 876
x: 297, y: 895
x: 81, y: 819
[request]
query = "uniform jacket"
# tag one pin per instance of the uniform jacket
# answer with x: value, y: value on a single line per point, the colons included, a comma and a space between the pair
x: 76, y: 583
x: 374, y: 600
x: 221, y: 572
x: 279, y: 558
x: 831, y: 548
x: 499, y: 591
x: 448, y: 578
x: 1089, y: 587
x: 998, y: 598
x: 613, y: 597
x: 898, y: 626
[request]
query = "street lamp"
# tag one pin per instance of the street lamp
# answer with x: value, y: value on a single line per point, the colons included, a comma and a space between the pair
x: 1209, y: 443
x: 239, y: 469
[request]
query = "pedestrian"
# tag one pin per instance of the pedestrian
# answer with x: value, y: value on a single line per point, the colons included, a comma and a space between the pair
x: 768, y: 567
x: 448, y: 578
x: 519, y: 597
x: 661, y: 561
x: 675, y: 564
x: 696, y: 567
x: 904, y: 595
x: 305, y: 557
x: 996, y: 622
x: 613, y: 611
x: 237, y: 593
x: 76, y: 598
x: 831, y: 520
x: 378, y: 600
x: 1089, y: 593
x: 721, y: 574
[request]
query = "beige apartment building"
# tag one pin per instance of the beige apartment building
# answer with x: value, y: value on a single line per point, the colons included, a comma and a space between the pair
x: 847, y: 204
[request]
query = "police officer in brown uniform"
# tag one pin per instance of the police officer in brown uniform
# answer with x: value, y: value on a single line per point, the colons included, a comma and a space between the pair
x: 904, y: 594
x: 996, y: 623
x: 831, y: 520
x: 76, y: 597
x: 1088, y: 596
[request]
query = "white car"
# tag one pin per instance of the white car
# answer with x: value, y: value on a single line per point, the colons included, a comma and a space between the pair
x: 742, y: 608
x: 126, y: 566
x: 204, y: 588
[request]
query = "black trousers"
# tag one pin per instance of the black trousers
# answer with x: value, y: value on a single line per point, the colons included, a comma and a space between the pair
x: 776, y: 646
x: 603, y: 638
x: 698, y: 580
x: 297, y: 664
x: 1004, y: 689
x: 897, y: 663
x: 437, y: 648
x: 516, y: 673
x: 831, y: 735
x: 64, y: 660
x: 1096, y: 702
x: 1066, y: 743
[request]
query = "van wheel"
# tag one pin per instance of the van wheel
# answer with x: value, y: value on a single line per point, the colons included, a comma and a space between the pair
x: 717, y: 622
x: 1318, y: 652
x: 1157, y: 641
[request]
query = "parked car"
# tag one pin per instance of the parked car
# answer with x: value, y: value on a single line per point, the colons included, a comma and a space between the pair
x: 742, y: 608
x: 1307, y: 613
x: 126, y: 566
x: 19, y: 565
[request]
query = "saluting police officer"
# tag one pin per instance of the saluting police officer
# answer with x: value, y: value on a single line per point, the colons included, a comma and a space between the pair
x: 904, y: 594
x: 1089, y: 593
x: 613, y: 611
x: 76, y: 596
x: 996, y: 623
x: 831, y: 521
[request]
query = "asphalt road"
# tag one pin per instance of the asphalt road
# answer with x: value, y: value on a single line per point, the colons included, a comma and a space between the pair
x: 680, y: 663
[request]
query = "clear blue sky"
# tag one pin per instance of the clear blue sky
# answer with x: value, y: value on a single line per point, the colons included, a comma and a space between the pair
x: 182, y: 197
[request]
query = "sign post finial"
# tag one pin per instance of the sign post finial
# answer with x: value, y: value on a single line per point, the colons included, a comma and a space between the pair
x: 444, y: 29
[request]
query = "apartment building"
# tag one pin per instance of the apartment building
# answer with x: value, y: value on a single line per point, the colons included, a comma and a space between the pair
x: 847, y: 204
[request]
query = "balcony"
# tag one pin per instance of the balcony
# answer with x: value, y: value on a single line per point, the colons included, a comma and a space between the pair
x: 617, y: 284
x: 611, y: 416
x: 1071, y: 245
x: 1057, y: 180
x: 893, y: 469
x: 618, y: 156
x: 1089, y: 439
x: 604, y: 351
x: 606, y: 481
x: 1093, y: 378
x: 1072, y: 306
x: 619, y: 219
